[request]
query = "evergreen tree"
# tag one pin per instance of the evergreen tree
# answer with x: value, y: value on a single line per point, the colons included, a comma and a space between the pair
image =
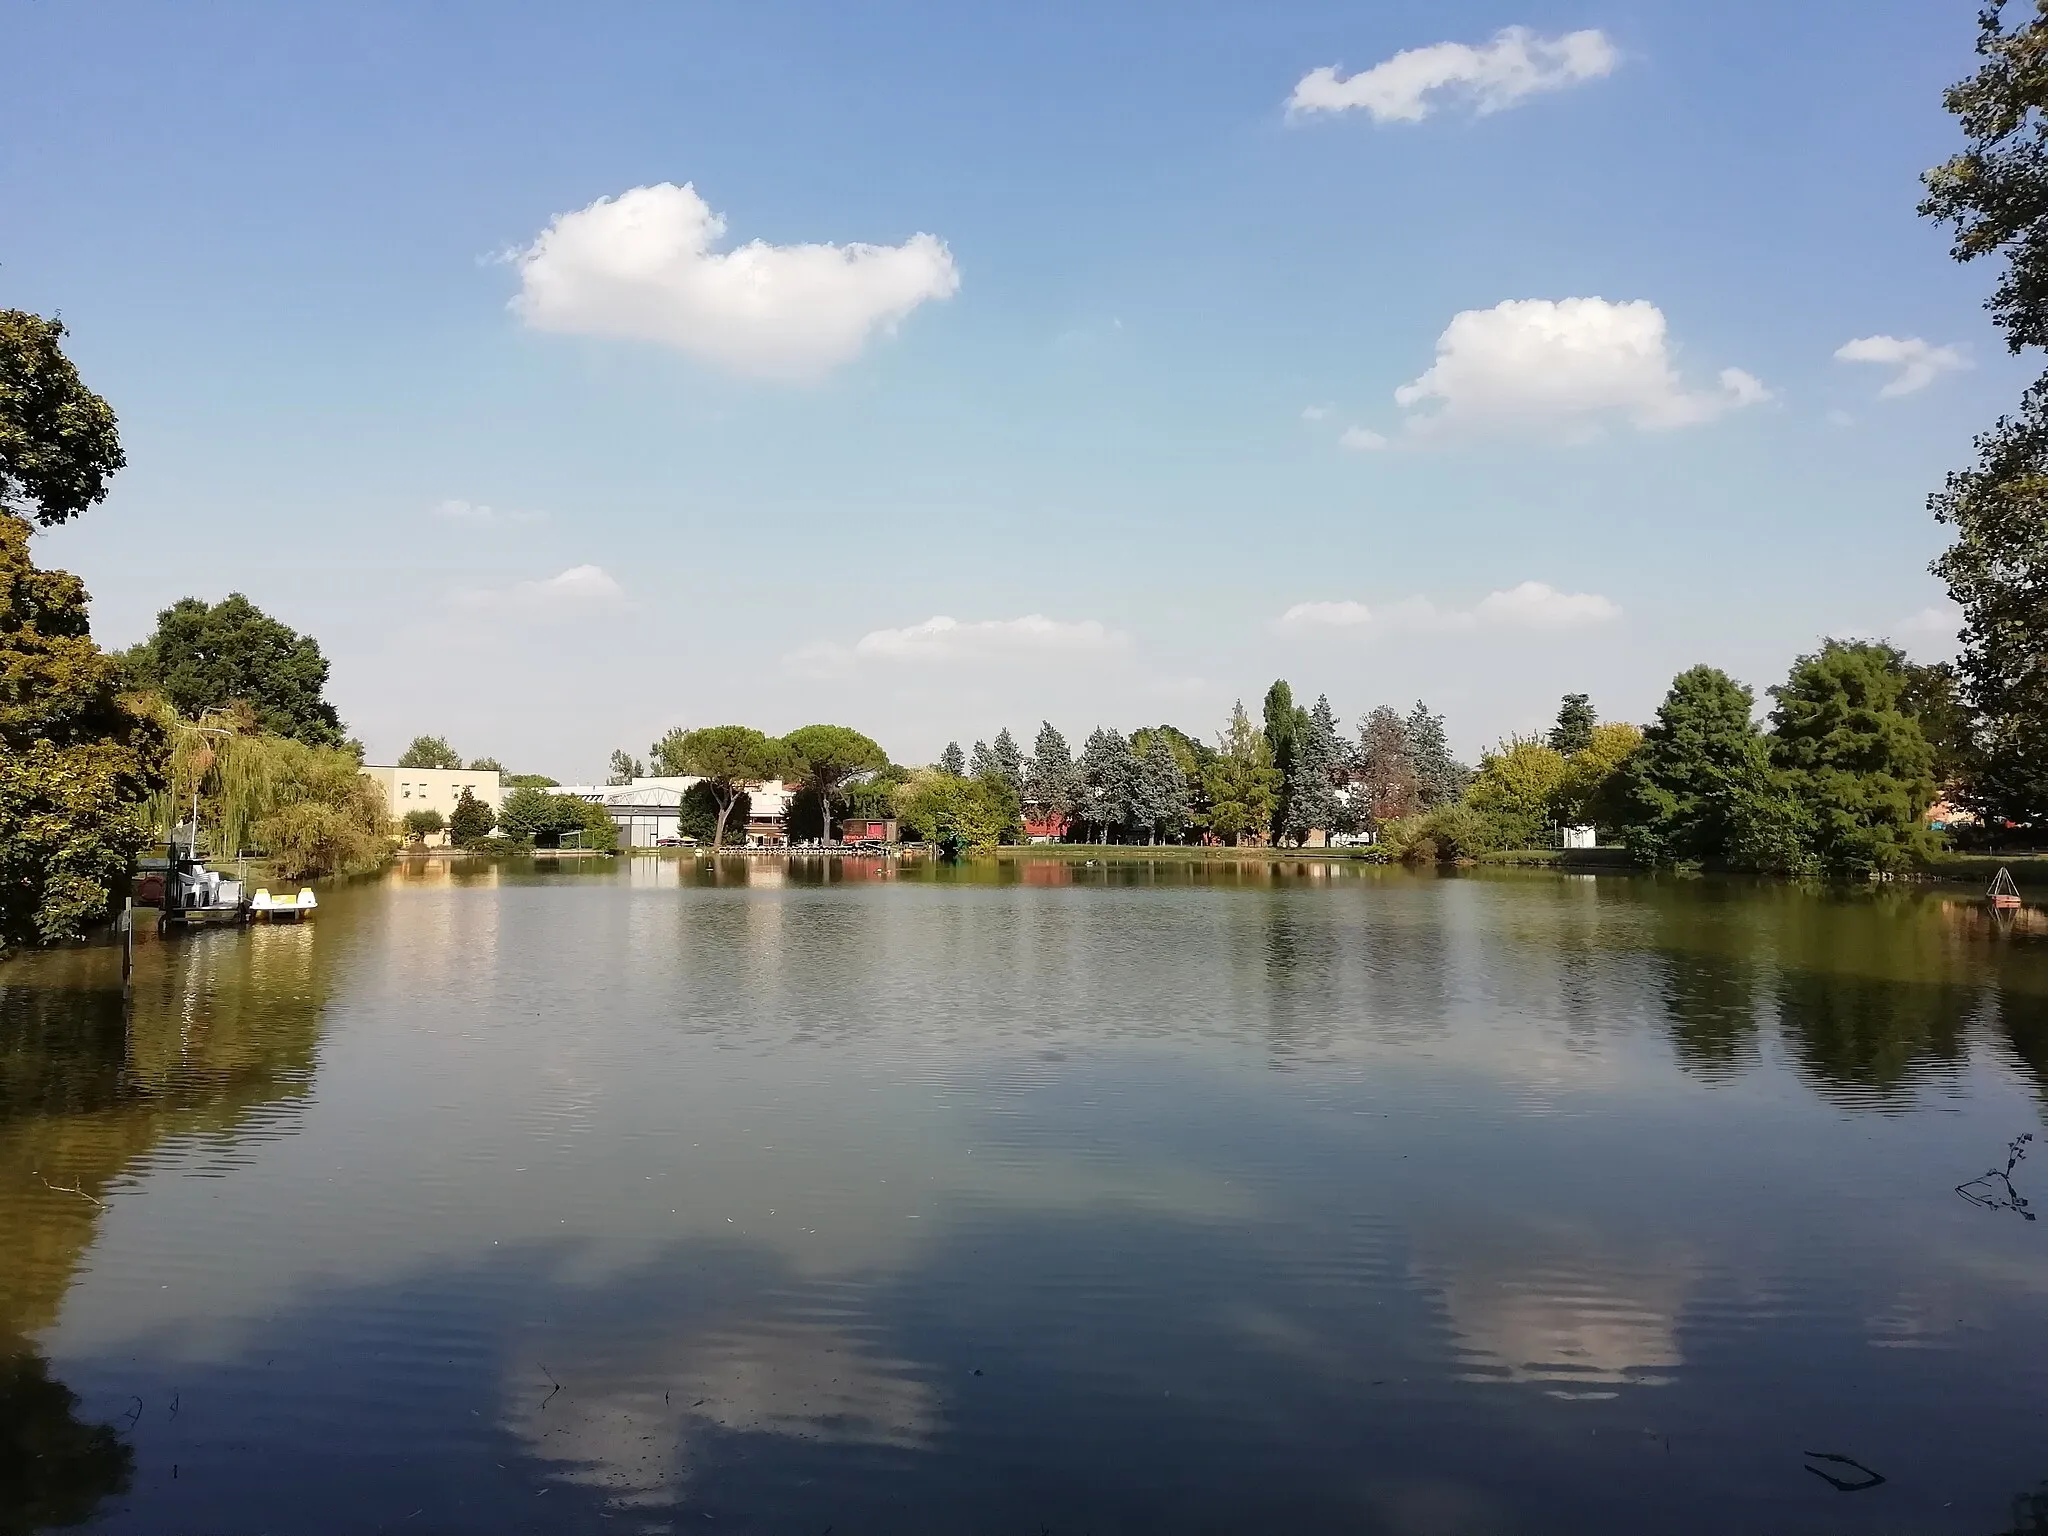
x: 1162, y: 791
x: 1308, y: 792
x: 1575, y: 722
x: 1384, y: 767
x: 1052, y: 784
x: 428, y: 752
x: 471, y: 821
x: 1854, y: 757
x: 1241, y: 782
x: 981, y: 763
x: 953, y: 760
x: 1108, y: 783
x: 1702, y: 788
x: 1009, y: 761
x: 1440, y: 779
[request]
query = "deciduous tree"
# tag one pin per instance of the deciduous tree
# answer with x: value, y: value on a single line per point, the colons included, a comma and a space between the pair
x: 1594, y: 777
x: 625, y: 768
x: 1514, y: 789
x: 1994, y: 195
x: 58, y: 440
x: 205, y: 657
x: 421, y: 825
x: 1384, y: 767
x: 430, y: 752
x: 78, y: 762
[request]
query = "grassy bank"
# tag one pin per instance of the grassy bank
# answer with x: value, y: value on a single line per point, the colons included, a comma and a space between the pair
x: 2029, y: 869
x: 1563, y: 858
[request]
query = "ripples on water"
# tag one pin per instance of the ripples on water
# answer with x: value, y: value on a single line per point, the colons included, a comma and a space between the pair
x: 1028, y: 1197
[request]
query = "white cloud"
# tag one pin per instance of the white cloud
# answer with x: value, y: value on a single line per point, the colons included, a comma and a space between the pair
x: 581, y: 586
x: 1516, y: 65
x: 641, y: 265
x: 943, y: 640
x: 1919, y: 363
x: 1533, y: 605
x: 1320, y: 615
x: 1564, y: 368
x: 1361, y: 440
x: 1840, y: 418
x: 1315, y: 413
x: 476, y: 512
x: 1939, y: 622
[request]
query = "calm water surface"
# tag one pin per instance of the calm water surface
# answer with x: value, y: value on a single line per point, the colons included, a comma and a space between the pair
x: 1024, y: 1198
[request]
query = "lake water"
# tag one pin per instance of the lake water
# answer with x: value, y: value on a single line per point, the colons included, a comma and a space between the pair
x: 1128, y: 1198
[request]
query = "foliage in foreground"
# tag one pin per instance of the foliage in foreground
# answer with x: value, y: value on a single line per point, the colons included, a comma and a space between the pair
x: 78, y: 762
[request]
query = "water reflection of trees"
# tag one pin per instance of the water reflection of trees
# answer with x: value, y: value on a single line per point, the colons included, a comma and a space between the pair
x: 221, y: 1032
x: 2029, y: 1513
x: 54, y: 1469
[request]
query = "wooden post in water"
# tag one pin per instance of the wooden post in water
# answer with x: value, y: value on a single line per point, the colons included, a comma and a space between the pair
x: 127, y: 945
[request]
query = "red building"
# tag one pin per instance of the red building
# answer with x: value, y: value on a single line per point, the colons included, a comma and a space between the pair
x: 1041, y: 826
x: 867, y: 829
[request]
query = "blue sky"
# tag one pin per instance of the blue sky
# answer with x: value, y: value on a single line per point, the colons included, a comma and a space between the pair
x: 549, y: 496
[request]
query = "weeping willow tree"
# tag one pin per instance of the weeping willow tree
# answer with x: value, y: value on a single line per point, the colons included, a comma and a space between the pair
x: 308, y: 808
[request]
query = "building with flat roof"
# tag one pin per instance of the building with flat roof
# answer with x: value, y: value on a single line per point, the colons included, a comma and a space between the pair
x: 434, y: 789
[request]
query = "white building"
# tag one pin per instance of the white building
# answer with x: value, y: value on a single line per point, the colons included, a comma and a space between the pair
x: 648, y: 811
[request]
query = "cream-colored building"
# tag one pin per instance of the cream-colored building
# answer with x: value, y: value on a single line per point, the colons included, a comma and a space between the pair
x: 434, y: 789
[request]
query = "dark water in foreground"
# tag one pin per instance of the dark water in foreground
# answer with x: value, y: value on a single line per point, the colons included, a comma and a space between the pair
x: 1143, y: 1199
